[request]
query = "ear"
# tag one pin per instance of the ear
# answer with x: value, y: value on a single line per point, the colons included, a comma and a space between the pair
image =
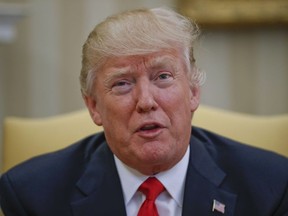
x: 194, y: 97
x: 91, y: 104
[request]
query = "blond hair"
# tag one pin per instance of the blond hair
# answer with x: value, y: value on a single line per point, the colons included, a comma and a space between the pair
x: 137, y: 32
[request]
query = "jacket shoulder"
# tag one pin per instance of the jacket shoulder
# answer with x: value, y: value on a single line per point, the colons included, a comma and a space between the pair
x: 222, y: 147
x: 243, y: 160
x: 53, y: 174
x: 259, y: 177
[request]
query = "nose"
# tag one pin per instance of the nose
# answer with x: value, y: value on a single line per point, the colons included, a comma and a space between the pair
x: 145, y: 97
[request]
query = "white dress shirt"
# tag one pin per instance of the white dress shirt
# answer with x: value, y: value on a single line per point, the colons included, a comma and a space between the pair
x: 169, y: 202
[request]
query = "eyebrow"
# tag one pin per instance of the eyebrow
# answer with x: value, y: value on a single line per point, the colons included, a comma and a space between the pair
x: 160, y: 60
x: 117, y: 72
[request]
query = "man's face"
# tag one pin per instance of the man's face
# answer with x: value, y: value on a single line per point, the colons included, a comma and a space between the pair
x: 145, y: 104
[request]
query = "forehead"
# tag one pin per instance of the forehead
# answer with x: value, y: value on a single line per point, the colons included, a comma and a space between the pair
x: 149, y: 60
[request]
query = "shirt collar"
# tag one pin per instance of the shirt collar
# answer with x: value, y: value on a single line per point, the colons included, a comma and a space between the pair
x: 173, y: 179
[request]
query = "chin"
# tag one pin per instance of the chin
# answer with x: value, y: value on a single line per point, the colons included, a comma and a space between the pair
x: 158, y: 160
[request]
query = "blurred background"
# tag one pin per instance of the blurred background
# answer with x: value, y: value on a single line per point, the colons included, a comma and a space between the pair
x: 40, y: 58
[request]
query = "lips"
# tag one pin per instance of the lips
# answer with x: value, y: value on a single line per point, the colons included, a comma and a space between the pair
x: 149, y: 126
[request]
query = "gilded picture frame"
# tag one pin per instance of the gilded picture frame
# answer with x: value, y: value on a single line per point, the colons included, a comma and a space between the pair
x: 236, y: 12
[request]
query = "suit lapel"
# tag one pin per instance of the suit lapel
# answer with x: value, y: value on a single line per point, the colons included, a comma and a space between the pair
x: 99, y: 190
x: 203, y: 182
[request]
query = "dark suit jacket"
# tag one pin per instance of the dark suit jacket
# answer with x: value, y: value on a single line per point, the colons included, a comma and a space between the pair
x: 82, y: 180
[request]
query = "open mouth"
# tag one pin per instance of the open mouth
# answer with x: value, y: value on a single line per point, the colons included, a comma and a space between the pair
x: 150, y: 130
x: 149, y: 127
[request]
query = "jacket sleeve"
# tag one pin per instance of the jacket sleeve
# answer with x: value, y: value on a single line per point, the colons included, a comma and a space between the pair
x: 9, y: 201
x: 282, y: 210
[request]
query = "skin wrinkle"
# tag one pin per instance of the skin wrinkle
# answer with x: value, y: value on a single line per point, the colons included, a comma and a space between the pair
x: 150, y: 30
x: 149, y: 100
x: 124, y: 102
x: 126, y: 74
x: 119, y: 71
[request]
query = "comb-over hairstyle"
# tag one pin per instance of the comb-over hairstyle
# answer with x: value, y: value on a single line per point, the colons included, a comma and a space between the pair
x: 137, y: 32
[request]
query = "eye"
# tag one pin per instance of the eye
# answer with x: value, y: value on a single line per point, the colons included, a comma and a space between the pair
x: 120, y: 83
x: 164, y: 79
x: 121, y: 87
x: 164, y: 76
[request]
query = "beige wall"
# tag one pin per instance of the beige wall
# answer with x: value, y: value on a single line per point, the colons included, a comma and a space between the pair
x: 247, y: 69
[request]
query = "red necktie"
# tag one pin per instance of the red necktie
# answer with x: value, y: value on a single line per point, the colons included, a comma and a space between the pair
x: 151, y: 188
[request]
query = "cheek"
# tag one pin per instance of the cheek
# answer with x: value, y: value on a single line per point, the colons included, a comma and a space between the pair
x: 177, y: 106
x: 117, y: 108
x: 178, y: 100
x: 116, y: 116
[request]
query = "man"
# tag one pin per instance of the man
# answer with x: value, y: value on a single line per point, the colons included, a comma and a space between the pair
x: 139, y: 80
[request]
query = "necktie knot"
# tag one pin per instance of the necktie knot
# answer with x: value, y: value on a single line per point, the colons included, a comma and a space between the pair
x: 151, y: 188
